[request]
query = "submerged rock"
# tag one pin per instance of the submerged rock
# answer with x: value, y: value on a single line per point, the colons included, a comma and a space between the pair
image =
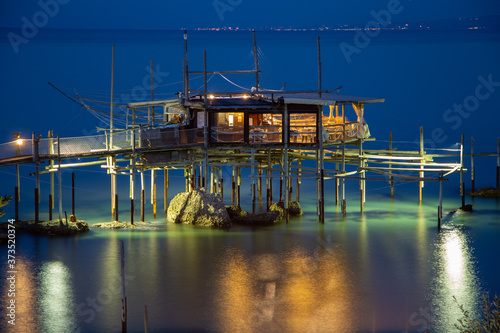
x: 295, y: 209
x: 262, y: 219
x: 235, y: 212
x: 466, y: 208
x: 486, y: 192
x: 121, y: 225
x: 198, y: 208
x: 278, y: 207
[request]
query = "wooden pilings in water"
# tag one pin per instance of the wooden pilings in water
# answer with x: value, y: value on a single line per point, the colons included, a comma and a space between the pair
x: 233, y: 186
x: 462, y: 184
x: 391, y: 178
x: 297, y: 190
x: 142, y: 196
x: 472, y: 171
x: 498, y: 163
x: 421, y: 174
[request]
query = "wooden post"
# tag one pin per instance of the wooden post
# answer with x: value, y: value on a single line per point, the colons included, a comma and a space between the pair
x: 51, y: 164
x: 132, y: 180
x: 142, y: 196
x: 336, y: 185
x: 361, y: 174
x: 36, y: 206
x: 205, y: 127
x: 193, y: 177
x: 112, y: 98
x: 281, y: 184
x: 116, y: 207
x: 152, y: 92
x: 59, y: 173
x: 297, y: 191
x: 221, y: 186
x: 50, y: 207
x: 342, y: 181
x: 498, y: 161
x: 319, y: 68
x: 252, y: 171
x: 113, y: 187
x: 37, y: 188
x: 238, y: 198
x: 16, y: 203
x: 321, y: 154
x: 391, y: 181
x: 233, y: 186
x: 200, y: 184
x: 153, y: 191
x: 462, y: 184
x: 322, y: 191
x: 270, y: 185
x: 259, y: 185
x: 472, y: 163
x: 440, y: 207
x: 256, y: 59
x: 73, y: 194
x: 122, y: 274
x: 213, y: 175
x: 421, y: 174
x: 286, y: 138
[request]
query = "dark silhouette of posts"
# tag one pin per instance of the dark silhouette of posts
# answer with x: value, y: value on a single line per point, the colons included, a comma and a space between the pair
x: 73, y: 194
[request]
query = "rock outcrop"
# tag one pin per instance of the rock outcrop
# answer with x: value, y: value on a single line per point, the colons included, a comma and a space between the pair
x: 198, y: 208
x: 295, y: 209
x: 235, y: 212
x: 278, y: 207
x: 53, y: 227
x: 487, y: 192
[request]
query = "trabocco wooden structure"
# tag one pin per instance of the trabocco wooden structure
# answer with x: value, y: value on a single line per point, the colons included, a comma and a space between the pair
x: 268, y: 132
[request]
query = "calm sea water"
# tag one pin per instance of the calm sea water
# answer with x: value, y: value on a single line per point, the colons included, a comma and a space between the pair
x: 387, y: 270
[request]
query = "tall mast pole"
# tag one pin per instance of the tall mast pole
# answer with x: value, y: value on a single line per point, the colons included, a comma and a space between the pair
x: 319, y: 68
x: 112, y: 96
x: 186, y: 71
x: 257, y: 82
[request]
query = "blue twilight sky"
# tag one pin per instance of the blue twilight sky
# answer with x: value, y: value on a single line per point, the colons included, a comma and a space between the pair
x: 156, y: 14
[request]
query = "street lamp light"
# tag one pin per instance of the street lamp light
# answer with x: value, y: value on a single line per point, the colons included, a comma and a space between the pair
x: 19, y: 141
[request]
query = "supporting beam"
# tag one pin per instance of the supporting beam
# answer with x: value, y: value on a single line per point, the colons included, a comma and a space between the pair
x: 342, y: 180
x: 498, y: 162
x: 59, y: 174
x: 391, y: 178
x: 73, y: 194
x: 153, y: 191
x: 165, y: 191
x: 421, y: 174
x: 297, y: 191
x: 256, y: 60
x: 462, y: 185
x: 233, y: 186
x: 472, y: 163
x: 142, y: 196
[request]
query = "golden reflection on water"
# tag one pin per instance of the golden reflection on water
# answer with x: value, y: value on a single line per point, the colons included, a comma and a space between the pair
x: 289, y: 292
x: 25, y: 298
x: 56, y: 298
x: 455, y: 277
